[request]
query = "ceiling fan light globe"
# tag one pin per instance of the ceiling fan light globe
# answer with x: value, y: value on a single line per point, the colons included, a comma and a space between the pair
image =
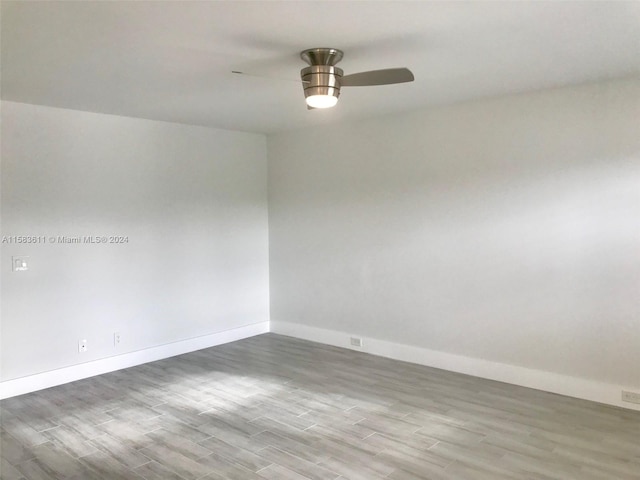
x: 322, y: 101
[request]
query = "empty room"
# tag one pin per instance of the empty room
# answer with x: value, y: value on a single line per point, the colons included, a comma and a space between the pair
x: 320, y: 240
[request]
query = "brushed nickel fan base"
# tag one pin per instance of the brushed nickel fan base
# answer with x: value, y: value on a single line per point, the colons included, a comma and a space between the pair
x: 322, y: 56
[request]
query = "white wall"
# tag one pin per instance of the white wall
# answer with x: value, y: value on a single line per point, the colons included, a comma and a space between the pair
x: 478, y: 237
x: 192, y: 202
x: 505, y: 230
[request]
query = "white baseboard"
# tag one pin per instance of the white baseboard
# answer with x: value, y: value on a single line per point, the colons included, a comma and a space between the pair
x: 31, y: 383
x: 547, y: 381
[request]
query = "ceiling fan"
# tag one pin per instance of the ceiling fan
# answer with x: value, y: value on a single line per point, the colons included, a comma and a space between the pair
x: 322, y: 80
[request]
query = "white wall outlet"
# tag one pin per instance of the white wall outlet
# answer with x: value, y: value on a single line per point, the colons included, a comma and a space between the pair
x: 356, y: 342
x: 631, y: 397
x: 82, y: 346
x: 116, y: 339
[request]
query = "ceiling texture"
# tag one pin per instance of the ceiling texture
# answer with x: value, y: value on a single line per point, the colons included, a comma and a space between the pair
x: 172, y: 61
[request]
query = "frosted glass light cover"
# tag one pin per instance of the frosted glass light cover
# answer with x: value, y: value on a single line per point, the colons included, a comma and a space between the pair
x: 322, y: 101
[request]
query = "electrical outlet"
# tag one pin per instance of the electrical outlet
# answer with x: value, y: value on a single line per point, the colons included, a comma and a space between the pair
x: 82, y: 346
x: 356, y: 342
x: 631, y: 397
x: 116, y: 339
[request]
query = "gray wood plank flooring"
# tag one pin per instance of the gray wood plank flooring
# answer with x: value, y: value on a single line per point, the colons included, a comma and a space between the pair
x: 274, y: 407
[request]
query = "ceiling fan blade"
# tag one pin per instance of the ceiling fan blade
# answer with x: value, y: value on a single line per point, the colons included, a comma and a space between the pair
x: 280, y: 79
x: 388, y: 76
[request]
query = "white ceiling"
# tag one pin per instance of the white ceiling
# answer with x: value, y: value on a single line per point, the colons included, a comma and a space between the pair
x: 172, y: 60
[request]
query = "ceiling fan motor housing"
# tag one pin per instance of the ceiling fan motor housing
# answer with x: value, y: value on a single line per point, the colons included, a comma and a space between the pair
x: 321, y: 80
x: 321, y: 77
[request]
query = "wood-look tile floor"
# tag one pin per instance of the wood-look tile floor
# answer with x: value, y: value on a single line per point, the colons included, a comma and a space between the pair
x: 273, y: 407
